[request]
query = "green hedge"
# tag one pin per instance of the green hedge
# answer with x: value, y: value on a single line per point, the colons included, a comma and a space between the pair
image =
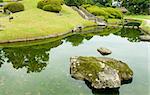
x: 98, y: 11
x: 41, y: 4
x: 14, y: 7
x: 102, y: 11
x: 50, y: 5
x: 114, y: 12
x: 52, y: 8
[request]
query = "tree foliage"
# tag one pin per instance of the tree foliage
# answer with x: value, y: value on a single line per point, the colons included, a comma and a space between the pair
x: 137, y: 6
x: 78, y: 2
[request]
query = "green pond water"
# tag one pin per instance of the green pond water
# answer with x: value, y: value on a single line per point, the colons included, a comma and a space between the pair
x: 44, y: 69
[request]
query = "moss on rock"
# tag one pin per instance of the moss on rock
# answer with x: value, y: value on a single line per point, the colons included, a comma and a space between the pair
x: 100, y: 72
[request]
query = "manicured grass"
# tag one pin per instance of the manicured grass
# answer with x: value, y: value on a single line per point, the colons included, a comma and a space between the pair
x: 138, y: 16
x: 34, y: 22
x: 145, y: 21
x: 114, y: 21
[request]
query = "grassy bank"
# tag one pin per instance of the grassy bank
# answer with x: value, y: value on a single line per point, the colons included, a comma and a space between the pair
x: 145, y: 21
x: 34, y: 22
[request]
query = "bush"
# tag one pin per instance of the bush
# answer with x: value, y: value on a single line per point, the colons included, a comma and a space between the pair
x: 99, y: 5
x: 114, y: 12
x: 52, y: 8
x: 50, y: 5
x: 108, y: 5
x: 41, y: 4
x: 106, y: 12
x: 97, y: 11
x: 14, y: 7
x: 1, y: 0
x: 86, y: 5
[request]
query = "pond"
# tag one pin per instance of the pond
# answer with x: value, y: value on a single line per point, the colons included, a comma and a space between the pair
x: 43, y: 69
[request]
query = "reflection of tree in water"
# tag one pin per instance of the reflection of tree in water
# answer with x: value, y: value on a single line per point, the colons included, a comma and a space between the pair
x: 1, y: 57
x: 108, y: 31
x: 131, y: 34
x: 88, y: 37
x: 34, y: 58
x: 77, y: 39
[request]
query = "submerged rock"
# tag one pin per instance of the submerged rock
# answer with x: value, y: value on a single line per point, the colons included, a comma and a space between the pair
x: 100, y: 72
x: 104, y: 51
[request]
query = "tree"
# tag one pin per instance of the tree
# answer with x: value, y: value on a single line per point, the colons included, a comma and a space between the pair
x: 137, y: 6
x: 78, y: 2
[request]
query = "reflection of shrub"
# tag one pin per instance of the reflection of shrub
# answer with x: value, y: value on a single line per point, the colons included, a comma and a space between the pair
x: 50, y: 5
x: 14, y: 7
x: 52, y: 8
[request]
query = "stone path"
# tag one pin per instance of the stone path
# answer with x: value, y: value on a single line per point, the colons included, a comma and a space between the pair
x: 86, y: 15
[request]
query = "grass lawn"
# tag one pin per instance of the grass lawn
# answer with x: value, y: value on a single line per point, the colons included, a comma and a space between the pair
x: 145, y: 21
x: 34, y: 22
x: 114, y: 21
x: 138, y: 16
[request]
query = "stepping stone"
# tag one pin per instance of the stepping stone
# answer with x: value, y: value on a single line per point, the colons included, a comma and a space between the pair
x: 104, y: 51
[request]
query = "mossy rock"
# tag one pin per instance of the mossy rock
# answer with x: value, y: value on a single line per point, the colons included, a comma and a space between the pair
x: 100, y: 72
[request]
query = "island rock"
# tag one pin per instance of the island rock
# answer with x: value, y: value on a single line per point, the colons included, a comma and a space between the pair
x: 100, y: 72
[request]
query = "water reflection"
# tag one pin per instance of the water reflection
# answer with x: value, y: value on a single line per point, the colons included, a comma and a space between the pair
x: 35, y: 58
x: 1, y: 57
x: 77, y: 39
x: 113, y: 91
x: 131, y: 34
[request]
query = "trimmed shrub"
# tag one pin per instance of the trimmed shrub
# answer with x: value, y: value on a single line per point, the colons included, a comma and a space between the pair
x: 14, y: 7
x: 114, y: 12
x: 86, y: 5
x: 50, y: 5
x: 52, y: 8
x: 95, y: 10
x: 42, y: 3
x: 106, y: 12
